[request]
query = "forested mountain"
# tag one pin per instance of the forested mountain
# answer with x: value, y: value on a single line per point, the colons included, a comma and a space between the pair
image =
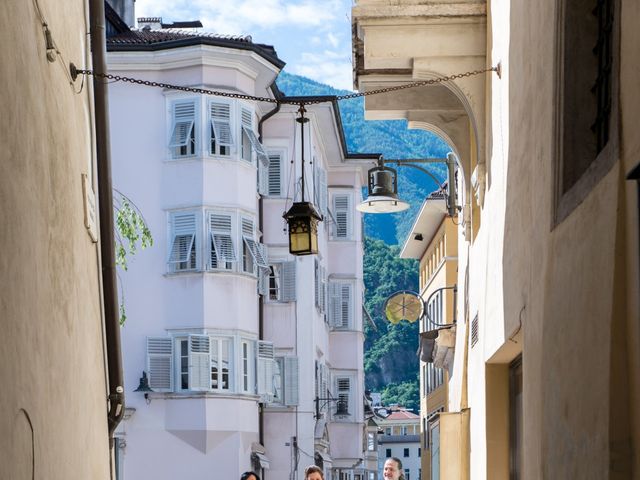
x: 391, y: 364
x: 392, y: 139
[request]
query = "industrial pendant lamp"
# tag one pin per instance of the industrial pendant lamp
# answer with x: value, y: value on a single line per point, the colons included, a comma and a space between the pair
x: 382, y: 191
x: 302, y: 218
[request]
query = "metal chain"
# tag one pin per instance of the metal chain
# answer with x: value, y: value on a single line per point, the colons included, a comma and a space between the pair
x: 204, y: 91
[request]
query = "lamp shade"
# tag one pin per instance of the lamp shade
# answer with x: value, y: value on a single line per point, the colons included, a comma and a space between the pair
x: 382, y: 192
x: 302, y: 220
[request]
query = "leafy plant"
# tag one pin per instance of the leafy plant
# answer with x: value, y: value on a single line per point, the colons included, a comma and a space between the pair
x: 131, y: 230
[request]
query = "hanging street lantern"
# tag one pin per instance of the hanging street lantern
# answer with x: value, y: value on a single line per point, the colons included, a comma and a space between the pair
x: 302, y: 218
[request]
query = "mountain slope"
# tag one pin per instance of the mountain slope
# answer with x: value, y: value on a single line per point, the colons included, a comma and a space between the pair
x: 393, y: 140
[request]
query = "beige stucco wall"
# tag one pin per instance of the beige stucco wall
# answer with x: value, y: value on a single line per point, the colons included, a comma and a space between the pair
x: 564, y: 295
x: 53, y: 405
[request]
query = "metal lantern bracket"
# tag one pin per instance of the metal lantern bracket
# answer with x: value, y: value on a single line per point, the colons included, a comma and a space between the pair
x: 426, y: 302
x: 326, y: 401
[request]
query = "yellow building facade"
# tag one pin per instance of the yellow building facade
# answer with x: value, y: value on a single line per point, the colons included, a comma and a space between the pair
x: 545, y: 380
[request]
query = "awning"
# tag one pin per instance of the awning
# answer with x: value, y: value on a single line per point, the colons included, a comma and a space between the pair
x: 435, y: 343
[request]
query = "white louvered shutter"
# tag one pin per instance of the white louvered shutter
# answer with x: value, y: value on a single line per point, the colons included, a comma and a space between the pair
x: 221, y: 123
x: 199, y: 362
x: 275, y: 175
x: 334, y: 304
x: 263, y: 179
x: 323, y: 193
x: 291, y: 381
x: 183, y: 242
x: 247, y: 128
x: 288, y: 281
x: 248, y: 238
x: 323, y: 289
x: 343, y: 385
x: 346, y: 309
x: 184, y: 114
x: 316, y: 282
x: 265, y: 369
x: 342, y: 213
x: 220, y: 228
x: 160, y: 363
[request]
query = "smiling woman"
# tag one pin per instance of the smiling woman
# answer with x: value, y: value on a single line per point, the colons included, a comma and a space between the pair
x: 324, y: 25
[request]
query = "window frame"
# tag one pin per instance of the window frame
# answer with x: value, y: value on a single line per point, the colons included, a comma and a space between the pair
x: 566, y: 201
x: 193, y: 129
x: 214, y: 147
x: 176, y: 266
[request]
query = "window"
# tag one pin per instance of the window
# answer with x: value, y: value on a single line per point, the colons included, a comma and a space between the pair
x: 407, y: 475
x: 419, y: 452
x: 403, y: 430
x: 183, y: 131
x: 183, y: 245
x: 371, y: 442
x: 342, y: 228
x: 253, y: 253
x: 320, y: 285
x: 274, y: 175
x: 343, y: 389
x: 434, y: 446
x: 434, y: 312
x: 223, y: 252
x: 434, y: 378
x: 282, y: 281
x: 221, y: 137
x: 341, y: 305
x: 387, y: 431
x: 587, y: 86
x: 320, y: 188
x: 250, y: 142
x: 515, y: 420
x: 388, y: 453
x: 406, y: 452
x: 285, y: 381
x: 246, y: 367
x: 266, y: 371
x: 202, y: 363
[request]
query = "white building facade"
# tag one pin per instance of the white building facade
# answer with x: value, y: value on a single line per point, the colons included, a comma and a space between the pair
x: 235, y: 335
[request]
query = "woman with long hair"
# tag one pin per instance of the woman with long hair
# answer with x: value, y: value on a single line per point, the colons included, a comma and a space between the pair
x: 393, y: 469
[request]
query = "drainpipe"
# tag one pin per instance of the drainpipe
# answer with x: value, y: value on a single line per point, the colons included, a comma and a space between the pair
x: 105, y: 203
x: 264, y: 118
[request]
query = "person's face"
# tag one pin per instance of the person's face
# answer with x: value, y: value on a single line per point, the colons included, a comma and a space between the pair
x: 252, y: 477
x: 391, y: 471
x: 314, y: 476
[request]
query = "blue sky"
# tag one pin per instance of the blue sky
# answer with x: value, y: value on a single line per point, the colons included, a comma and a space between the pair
x: 312, y: 36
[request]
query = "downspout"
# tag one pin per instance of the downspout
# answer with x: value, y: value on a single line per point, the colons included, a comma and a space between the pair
x: 115, y: 404
x: 264, y: 118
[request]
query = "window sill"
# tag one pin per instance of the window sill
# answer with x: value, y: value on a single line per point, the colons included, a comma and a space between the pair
x: 210, y: 272
x: 199, y: 395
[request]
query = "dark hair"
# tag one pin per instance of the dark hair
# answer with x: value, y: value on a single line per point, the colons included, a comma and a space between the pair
x: 246, y: 475
x: 313, y: 469
x: 399, y: 462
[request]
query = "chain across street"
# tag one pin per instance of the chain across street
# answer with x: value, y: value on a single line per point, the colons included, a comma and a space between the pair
x: 242, y: 96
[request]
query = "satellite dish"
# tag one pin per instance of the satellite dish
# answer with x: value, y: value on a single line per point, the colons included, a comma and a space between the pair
x: 403, y: 305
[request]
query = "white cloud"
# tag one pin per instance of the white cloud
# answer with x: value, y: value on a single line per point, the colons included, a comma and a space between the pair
x: 244, y: 16
x: 328, y: 67
x: 333, y: 39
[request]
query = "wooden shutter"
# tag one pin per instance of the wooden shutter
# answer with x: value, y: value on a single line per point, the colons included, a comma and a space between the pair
x: 199, y: 363
x: 220, y: 228
x: 288, y: 281
x: 184, y: 233
x: 221, y: 123
x: 275, y: 175
x: 342, y: 213
x: 160, y: 363
x: 184, y: 114
x: 291, y: 381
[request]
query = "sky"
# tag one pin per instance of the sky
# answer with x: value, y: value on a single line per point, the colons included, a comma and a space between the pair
x: 313, y: 37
